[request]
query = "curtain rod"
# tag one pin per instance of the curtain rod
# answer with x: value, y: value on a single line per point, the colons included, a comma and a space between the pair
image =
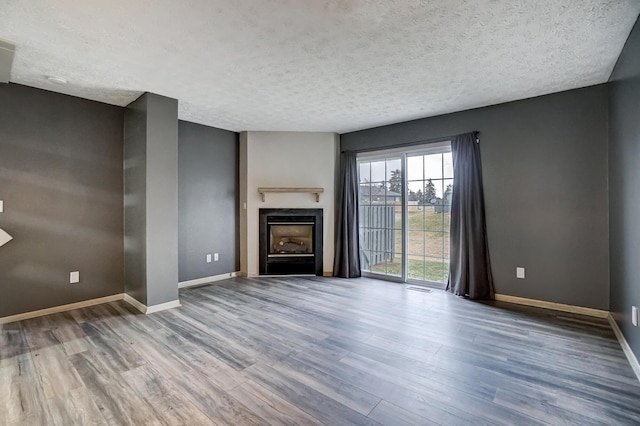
x: 419, y: 142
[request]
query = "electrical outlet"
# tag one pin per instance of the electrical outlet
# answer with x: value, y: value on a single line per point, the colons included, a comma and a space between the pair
x: 634, y: 315
x: 216, y: 257
x: 74, y: 277
x: 1, y: 206
x: 208, y: 258
x: 520, y: 272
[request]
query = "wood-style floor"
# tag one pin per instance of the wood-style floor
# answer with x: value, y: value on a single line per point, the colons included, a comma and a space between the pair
x: 308, y: 351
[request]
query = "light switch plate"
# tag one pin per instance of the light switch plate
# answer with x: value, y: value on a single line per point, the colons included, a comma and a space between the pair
x: 216, y: 257
x: 74, y: 277
x: 1, y: 206
x: 208, y: 258
x: 520, y: 272
x: 634, y: 315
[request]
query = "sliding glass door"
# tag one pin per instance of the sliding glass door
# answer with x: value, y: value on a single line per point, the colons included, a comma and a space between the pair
x: 381, y: 216
x: 405, y: 205
x: 430, y: 185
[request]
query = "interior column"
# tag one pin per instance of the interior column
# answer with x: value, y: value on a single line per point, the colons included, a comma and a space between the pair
x: 151, y: 201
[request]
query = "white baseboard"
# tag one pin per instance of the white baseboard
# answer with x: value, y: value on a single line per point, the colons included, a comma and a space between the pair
x: 135, y: 303
x: 150, y: 309
x: 163, y: 306
x: 552, y: 305
x: 207, y: 280
x: 324, y: 274
x: 62, y: 308
x: 631, y: 357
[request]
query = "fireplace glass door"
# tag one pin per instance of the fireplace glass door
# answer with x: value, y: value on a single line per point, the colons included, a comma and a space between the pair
x: 291, y: 239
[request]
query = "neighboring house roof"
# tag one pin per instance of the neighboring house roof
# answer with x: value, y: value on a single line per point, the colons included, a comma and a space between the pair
x: 376, y: 191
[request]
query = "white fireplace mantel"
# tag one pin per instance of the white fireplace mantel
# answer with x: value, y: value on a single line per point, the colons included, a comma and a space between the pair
x: 316, y: 191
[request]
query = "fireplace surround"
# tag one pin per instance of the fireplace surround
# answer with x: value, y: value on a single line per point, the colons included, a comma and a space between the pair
x: 290, y: 241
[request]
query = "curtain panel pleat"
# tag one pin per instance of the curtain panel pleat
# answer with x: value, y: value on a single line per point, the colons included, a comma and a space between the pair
x: 346, y: 262
x: 469, y: 262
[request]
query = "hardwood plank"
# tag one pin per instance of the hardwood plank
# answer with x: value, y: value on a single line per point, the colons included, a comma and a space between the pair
x: 169, y: 405
x: 389, y: 414
x: 74, y: 408
x: 315, y: 350
x: 55, y: 372
x: 116, y: 400
x: 217, y: 404
x: 325, y: 409
x: 21, y: 399
x: 335, y: 388
x: 270, y: 407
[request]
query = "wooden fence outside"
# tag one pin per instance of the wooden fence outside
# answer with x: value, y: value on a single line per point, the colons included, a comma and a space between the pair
x: 377, y: 236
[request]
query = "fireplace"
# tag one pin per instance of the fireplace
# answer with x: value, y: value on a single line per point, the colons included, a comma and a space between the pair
x: 290, y: 241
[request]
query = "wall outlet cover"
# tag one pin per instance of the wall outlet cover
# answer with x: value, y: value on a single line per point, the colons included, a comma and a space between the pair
x: 520, y: 272
x: 208, y: 258
x: 1, y: 206
x: 74, y: 277
x: 216, y: 257
x: 634, y: 315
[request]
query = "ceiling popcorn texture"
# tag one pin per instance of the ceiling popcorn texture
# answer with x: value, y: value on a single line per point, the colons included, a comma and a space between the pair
x: 315, y: 65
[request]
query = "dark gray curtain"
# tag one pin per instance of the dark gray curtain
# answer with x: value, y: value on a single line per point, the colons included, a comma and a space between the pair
x: 469, y: 267
x: 346, y: 263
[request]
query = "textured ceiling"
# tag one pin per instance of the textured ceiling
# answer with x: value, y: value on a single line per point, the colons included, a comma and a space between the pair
x: 315, y: 65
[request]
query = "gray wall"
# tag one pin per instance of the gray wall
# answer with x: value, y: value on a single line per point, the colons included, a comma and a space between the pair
x: 545, y: 174
x: 208, y: 200
x: 61, y: 182
x: 624, y: 187
x: 162, y: 199
x: 151, y: 187
x: 135, y: 206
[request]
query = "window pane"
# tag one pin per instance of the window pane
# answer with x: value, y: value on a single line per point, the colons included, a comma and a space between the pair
x: 378, y: 193
x: 434, y: 270
x: 416, y: 243
x: 364, y: 194
x: 433, y: 166
x: 448, y: 190
x: 392, y: 197
x: 365, y: 239
x: 415, y: 268
x: 448, y: 165
x: 414, y: 168
x: 394, y: 264
x: 393, y: 169
x: 365, y: 172
x: 364, y: 260
x: 415, y: 218
x: 447, y: 220
x: 378, y: 262
x: 365, y: 215
x: 430, y: 191
x: 446, y: 245
x: 377, y: 171
x: 397, y: 222
x: 434, y: 219
x: 378, y: 216
x: 397, y: 240
x: 434, y: 244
